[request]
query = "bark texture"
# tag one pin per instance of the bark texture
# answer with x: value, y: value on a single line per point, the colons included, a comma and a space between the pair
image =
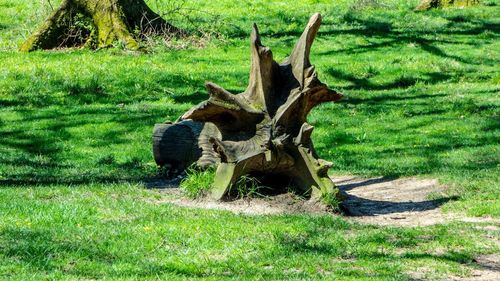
x: 430, y: 4
x: 112, y: 20
x: 262, y: 131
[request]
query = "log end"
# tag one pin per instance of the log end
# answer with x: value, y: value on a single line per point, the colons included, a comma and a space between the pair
x: 176, y: 145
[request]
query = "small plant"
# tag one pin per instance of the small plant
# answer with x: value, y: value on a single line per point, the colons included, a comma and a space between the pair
x: 370, y: 72
x: 197, y: 182
x: 106, y: 160
x: 331, y: 201
x: 248, y: 187
x: 80, y: 28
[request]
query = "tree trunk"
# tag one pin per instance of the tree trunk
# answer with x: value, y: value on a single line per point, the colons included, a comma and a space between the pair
x: 112, y: 21
x: 430, y: 4
x: 263, y: 131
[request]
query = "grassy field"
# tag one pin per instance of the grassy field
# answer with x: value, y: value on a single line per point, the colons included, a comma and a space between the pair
x: 422, y: 99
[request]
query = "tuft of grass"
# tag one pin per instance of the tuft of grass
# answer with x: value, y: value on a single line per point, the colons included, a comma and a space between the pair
x: 247, y: 187
x: 331, y: 201
x: 197, y: 183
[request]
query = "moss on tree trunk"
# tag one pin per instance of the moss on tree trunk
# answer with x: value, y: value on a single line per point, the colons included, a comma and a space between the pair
x: 430, y: 4
x: 112, y: 21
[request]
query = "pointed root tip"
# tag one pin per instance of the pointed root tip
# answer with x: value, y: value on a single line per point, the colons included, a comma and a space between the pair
x: 255, y: 36
x: 209, y: 85
x: 315, y: 19
x: 214, y: 89
x: 211, y: 88
x: 336, y: 94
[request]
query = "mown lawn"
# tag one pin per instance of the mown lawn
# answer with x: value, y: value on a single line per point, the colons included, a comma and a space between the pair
x: 422, y: 99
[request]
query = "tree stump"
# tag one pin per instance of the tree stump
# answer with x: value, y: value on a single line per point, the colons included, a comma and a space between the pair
x: 112, y: 21
x: 431, y: 4
x: 263, y: 131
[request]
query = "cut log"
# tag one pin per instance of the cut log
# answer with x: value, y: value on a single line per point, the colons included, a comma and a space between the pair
x: 112, y: 21
x: 179, y: 145
x: 264, y: 130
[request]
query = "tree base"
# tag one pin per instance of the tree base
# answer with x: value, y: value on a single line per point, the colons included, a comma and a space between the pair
x: 431, y: 4
x: 111, y: 21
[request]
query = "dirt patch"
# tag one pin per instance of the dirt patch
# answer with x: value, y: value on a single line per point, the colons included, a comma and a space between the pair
x: 279, y: 204
x: 484, y: 268
x: 381, y: 201
x: 488, y: 268
x: 401, y: 202
x: 386, y: 201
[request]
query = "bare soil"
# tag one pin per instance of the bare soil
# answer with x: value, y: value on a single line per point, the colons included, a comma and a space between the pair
x: 488, y: 268
x: 484, y: 268
x: 380, y: 201
x: 386, y: 201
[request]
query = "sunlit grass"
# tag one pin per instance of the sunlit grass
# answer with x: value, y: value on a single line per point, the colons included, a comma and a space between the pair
x: 421, y: 99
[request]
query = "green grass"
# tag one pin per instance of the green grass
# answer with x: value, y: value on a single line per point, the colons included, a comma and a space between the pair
x: 422, y: 99
x: 118, y: 231
x: 197, y: 183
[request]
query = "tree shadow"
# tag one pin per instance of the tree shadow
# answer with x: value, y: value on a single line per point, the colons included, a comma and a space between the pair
x: 347, y: 184
x: 356, y: 250
x: 356, y: 205
x: 39, y: 154
x: 488, y: 262
x: 42, y: 251
x: 193, y: 98
x: 75, y: 131
x: 424, y: 39
x: 37, y: 248
x: 400, y: 82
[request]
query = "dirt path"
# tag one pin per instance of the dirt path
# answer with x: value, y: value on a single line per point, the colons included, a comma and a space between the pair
x: 381, y: 201
x: 402, y: 202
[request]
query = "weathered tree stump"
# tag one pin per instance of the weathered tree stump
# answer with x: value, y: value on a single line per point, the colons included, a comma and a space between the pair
x: 113, y: 20
x: 262, y: 131
x: 430, y: 4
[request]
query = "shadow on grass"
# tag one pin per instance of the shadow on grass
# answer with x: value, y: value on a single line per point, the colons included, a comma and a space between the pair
x: 381, y: 30
x: 309, y: 241
x: 37, y: 248
x: 358, y: 248
x: 43, y: 251
x: 59, y: 90
x: 85, y: 130
x: 401, y: 82
x: 72, y: 146
x: 193, y: 98
x: 408, y: 158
